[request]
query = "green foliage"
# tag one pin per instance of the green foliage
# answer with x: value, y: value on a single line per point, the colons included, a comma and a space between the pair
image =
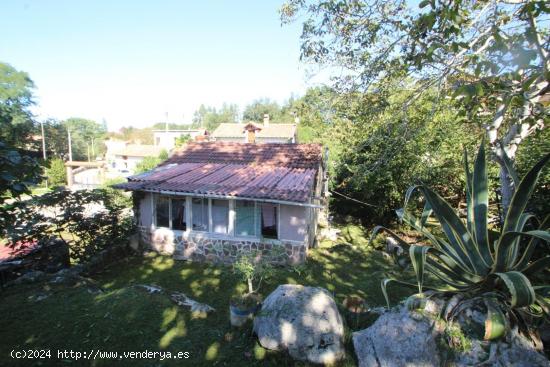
x: 88, y: 221
x: 16, y: 97
x: 83, y: 133
x: 470, y: 261
x: 181, y: 141
x: 17, y: 172
x: 252, y: 268
x: 163, y: 155
x: 209, y: 118
x: 118, y: 197
x: 56, y: 172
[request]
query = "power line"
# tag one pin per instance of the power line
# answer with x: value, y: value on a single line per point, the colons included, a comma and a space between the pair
x: 352, y: 199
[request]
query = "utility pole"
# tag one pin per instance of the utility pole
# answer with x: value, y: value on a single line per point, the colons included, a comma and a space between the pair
x: 43, y: 140
x: 70, y: 146
x: 93, y: 148
x: 88, y: 151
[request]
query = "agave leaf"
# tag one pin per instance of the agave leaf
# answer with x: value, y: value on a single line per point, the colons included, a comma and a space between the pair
x: 438, y: 243
x: 535, y: 267
x: 481, y: 205
x: 408, y: 194
x: 418, y: 259
x: 495, y: 323
x: 530, y: 249
x: 454, y: 274
x: 521, y: 197
x: 441, y: 275
x: 510, y: 167
x: 543, y: 304
x: 425, y: 214
x: 520, y: 288
x: 503, y: 260
x: 469, y: 204
x: 514, y: 248
x: 456, y: 232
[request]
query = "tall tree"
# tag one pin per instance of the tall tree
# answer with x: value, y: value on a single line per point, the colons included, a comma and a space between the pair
x: 86, y: 137
x: 16, y: 97
x: 491, y: 56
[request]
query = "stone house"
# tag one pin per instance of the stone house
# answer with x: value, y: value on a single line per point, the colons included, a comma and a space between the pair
x: 214, y: 200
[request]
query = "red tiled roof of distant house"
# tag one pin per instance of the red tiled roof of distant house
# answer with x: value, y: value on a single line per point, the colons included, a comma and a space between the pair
x: 259, y: 171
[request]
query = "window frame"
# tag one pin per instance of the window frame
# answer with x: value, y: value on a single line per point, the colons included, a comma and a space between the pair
x: 232, y: 218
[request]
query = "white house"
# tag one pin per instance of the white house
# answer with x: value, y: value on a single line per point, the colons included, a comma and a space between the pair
x: 265, y: 133
x: 123, y: 157
x: 212, y: 201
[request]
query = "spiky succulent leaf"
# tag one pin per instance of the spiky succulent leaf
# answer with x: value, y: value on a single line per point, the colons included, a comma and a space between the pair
x: 481, y: 205
x: 503, y: 257
x: 520, y: 288
x: 521, y: 196
x: 418, y: 259
x: 495, y: 323
x: 523, y: 262
x: 456, y: 232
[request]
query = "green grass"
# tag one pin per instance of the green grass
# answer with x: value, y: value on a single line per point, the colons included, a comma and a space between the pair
x: 125, y: 318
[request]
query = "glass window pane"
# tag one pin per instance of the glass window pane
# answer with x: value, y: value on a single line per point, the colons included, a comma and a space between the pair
x: 245, y: 215
x: 269, y: 220
x: 162, y: 211
x: 178, y: 214
x: 199, y: 212
x: 220, y: 216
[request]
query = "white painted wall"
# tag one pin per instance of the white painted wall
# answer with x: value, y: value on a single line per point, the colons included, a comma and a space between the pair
x: 293, y: 223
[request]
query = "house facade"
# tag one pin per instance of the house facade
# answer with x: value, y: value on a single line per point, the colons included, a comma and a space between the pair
x: 213, y: 201
x: 123, y: 157
x: 265, y: 133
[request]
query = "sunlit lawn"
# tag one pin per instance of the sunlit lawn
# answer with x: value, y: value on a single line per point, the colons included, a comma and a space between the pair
x: 125, y: 318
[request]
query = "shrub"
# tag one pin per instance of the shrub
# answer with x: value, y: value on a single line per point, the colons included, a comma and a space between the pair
x: 497, y: 271
x: 56, y: 173
x: 251, y: 268
x: 87, y: 221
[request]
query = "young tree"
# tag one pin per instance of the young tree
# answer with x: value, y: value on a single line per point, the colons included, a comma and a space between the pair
x: 492, y: 56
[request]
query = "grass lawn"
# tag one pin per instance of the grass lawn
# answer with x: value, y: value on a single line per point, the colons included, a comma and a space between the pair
x: 126, y: 318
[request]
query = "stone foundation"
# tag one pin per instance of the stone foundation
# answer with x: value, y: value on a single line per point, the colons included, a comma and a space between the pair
x: 201, y: 247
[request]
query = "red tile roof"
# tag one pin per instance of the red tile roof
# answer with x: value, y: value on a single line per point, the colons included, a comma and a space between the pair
x: 277, y: 154
x: 258, y: 171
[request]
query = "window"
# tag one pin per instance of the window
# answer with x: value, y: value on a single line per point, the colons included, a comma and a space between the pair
x: 268, y: 216
x: 178, y: 214
x: 199, y: 211
x: 245, y: 222
x: 162, y: 210
x: 220, y: 216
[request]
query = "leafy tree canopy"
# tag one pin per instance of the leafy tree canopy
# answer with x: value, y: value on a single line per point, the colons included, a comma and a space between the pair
x: 491, y: 56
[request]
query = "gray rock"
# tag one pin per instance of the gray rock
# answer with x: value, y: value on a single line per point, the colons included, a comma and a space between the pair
x: 396, y: 339
x: 304, y: 321
x: 30, y: 277
x: 403, y: 338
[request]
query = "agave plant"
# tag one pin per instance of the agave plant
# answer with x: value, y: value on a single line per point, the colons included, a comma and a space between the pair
x: 468, y: 261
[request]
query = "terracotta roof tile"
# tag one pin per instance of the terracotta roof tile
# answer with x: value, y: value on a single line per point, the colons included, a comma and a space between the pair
x: 258, y: 171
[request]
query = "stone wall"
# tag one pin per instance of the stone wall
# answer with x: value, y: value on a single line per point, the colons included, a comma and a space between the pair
x: 201, y: 247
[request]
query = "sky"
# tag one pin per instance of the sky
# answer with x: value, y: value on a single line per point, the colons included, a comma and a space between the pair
x: 133, y: 62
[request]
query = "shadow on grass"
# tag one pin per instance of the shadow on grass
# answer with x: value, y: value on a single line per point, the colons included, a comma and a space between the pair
x: 127, y: 318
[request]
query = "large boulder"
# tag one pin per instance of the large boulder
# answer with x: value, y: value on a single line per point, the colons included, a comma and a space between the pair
x: 396, y: 339
x: 303, y: 321
x: 405, y: 338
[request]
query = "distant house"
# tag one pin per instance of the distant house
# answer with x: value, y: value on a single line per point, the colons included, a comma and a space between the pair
x: 266, y: 132
x: 214, y: 200
x: 167, y: 138
x: 123, y: 157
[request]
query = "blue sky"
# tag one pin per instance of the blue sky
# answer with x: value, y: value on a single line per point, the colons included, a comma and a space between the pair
x: 130, y: 62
